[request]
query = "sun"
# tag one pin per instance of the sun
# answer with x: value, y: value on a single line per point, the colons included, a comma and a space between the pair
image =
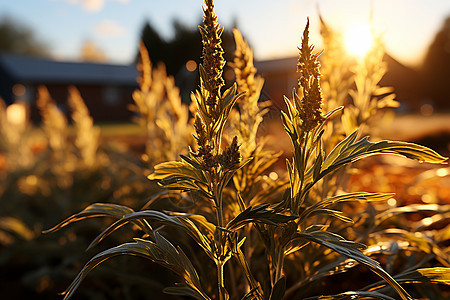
x: 358, y: 40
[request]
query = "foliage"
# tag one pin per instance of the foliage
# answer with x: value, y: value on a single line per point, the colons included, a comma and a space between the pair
x: 52, y: 171
x: 292, y: 235
x: 224, y: 227
x: 435, y: 69
x: 18, y: 38
x: 161, y: 112
x: 174, y: 52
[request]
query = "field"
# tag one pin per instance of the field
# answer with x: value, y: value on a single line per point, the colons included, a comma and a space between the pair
x: 334, y: 197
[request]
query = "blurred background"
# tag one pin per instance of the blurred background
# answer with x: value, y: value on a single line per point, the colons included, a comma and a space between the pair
x: 49, y: 169
x: 95, y: 43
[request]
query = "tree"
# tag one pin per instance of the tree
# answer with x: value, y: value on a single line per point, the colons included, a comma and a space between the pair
x: 436, y: 68
x: 184, y: 46
x: 18, y: 38
x: 155, y: 44
x: 91, y: 53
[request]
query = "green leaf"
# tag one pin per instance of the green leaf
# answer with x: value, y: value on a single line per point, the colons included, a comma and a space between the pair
x: 436, y: 208
x: 187, y: 222
x: 352, y: 250
x: 288, y: 126
x: 278, y: 289
x: 359, y: 196
x: 16, y: 226
x: 331, y: 114
x: 352, y: 296
x: 186, y: 185
x: 252, y: 295
x: 338, y: 149
x: 169, y: 195
x: 172, y: 258
x: 184, y: 290
x: 333, y: 213
x: 177, y: 169
x: 136, y: 216
x: 128, y: 248
x: 420, y: 240
x: 317, y: 167
x: 339, y: 244
x: 160, y: 251
x: 338, y: 266
x: 258, y: 214
x: 193, y: 161
x: 229, y: 98
x: 349, y: 151
x: 439, y: 275
x: 200, y: 229
x: 98, y: 210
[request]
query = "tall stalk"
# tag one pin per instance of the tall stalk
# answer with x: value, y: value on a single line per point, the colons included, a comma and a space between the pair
x: 213, y: 109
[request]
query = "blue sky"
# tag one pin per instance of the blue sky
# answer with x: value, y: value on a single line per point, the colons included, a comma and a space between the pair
x: 272, y: 27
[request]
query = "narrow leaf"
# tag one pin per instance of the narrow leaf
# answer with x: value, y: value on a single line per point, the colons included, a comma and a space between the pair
x: 353, y: 250
x: 359, y: 196
x: 438, y: 275
x: 258, y: 214
x: 176, y: 169
x: 184, y: 290
x: 278, y: 289
x: 94, y: 210
x: 136, y: 216
x: 352, y: 296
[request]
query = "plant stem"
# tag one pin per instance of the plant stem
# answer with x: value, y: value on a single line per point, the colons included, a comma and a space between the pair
x: 220, y: 281
x: 221, y: 245
x: 247, y: 254
x: 304, y: 159
x: 243, y: 263
x: 280, y: 263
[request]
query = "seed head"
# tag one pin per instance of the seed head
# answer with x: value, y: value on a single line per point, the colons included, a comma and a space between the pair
x: 231, y: 156
x: 213, y: 61
x: 310, y: 107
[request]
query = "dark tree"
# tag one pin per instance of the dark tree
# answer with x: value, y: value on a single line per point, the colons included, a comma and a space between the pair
x: 156, y: 46
x: 19, y: 39
x: 436, y: 68
x: 184, y: 46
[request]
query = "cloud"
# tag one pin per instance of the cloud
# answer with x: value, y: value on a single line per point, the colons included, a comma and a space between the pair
x: 89, y: 5
x: 109, y: 29
x: 94, y: 5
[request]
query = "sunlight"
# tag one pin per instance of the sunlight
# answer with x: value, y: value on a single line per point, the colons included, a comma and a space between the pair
x: 358, y: 40
x: 16, y: 114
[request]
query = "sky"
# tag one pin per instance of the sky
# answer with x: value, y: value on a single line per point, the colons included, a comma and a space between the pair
x: 273, y: 28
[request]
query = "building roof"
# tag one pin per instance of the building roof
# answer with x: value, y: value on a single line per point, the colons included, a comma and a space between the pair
x: 285, y: 64
x: 31, y: 69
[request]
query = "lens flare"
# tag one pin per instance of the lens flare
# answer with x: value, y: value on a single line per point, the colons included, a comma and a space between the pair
x: 358, y: 40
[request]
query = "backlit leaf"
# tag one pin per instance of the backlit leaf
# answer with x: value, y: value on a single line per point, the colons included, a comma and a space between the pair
x: 278, y: 289
x: 176, y: 169
x: 348, y: 151
x: 182, y: 289
x: 352, y: 296
x: 16, y: 226
x: 258, y: 214
x: 134, y: 216
x: 438, y: 275
x: 436, y: 208
x: 160, y: 251
x: 96, y: 210
x: 360, y: 196
x: 352, y: 250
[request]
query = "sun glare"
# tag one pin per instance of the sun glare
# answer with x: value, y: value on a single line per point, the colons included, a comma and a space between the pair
x: 358, y: 40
